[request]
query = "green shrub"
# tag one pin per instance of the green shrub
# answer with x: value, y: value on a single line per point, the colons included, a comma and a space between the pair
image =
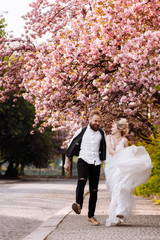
x: 152, y: 187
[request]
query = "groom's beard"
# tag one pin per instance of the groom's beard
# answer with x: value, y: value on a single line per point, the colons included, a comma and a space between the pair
x: 94, y: 127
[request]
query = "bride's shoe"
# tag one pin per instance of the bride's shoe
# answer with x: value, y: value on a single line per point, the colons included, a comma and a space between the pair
x: 117, y: 222
x: 120, y: 217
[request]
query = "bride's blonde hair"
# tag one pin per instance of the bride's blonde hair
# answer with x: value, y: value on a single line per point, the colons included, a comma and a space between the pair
x: 122, y: 125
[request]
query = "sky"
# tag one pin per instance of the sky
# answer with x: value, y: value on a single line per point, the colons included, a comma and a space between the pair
x: 15, y: 9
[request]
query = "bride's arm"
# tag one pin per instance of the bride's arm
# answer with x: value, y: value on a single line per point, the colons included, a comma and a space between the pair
x: 125, y: 142
x: 110, y: 149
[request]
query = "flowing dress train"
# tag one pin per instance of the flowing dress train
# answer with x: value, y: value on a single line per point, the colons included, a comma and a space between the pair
x: 128, y: 168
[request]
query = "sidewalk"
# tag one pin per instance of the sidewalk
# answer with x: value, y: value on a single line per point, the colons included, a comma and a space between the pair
x: 66, y: 225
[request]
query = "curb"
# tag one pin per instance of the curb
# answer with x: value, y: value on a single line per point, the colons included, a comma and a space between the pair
x: 46, y: 228
x: 8, y: 181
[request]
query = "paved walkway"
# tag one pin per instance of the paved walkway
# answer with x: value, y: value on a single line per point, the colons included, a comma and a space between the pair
x: 66, y: 225
x: 26, y: 204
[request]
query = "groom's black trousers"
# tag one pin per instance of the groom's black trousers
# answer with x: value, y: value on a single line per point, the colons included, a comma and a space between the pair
x: 92, y: 172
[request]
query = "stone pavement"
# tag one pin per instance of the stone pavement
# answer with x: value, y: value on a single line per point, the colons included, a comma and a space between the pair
x: 66, y: 225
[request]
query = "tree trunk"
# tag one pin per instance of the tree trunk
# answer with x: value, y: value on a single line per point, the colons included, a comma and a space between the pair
x: 21, y: 170
x: 11, y: 172
x: 63, y: 161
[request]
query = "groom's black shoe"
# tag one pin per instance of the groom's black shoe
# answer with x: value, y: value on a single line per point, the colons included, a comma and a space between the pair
x: 76, y: 208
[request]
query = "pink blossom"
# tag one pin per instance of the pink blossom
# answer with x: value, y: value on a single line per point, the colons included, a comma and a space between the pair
x: 96, y: 53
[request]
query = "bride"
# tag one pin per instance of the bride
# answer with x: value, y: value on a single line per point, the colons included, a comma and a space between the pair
x: 125, y: 169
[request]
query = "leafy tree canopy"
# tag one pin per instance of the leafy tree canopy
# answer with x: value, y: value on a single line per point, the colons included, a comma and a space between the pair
x: 17, y: 144
x: 2, y: 26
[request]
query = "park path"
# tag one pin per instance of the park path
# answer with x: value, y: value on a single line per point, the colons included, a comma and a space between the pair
x: 24, y: 206
x: 42, y: 209
x: 143, y: 225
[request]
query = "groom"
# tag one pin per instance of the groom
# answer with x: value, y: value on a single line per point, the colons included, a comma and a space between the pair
x: 89, y: 144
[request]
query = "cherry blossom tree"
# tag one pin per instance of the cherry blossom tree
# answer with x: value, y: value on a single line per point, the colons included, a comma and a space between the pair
x: 12, y: 60
x: 99, y: 54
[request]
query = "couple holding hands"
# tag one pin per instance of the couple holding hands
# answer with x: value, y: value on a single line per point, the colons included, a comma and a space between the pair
x: 125, y: 167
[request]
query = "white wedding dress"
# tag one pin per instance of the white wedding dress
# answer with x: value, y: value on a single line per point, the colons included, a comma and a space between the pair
x: 127, y: 169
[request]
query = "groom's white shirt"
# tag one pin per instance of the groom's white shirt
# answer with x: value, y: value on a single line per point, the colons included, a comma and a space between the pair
x: 90, y: 145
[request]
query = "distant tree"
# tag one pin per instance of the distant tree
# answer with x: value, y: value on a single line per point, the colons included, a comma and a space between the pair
x: 17, y: 145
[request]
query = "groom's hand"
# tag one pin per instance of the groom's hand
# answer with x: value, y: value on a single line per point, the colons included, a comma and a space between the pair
x: 67, y: 164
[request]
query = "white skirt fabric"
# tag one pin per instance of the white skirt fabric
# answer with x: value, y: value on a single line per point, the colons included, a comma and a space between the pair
x: 124, y: 171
